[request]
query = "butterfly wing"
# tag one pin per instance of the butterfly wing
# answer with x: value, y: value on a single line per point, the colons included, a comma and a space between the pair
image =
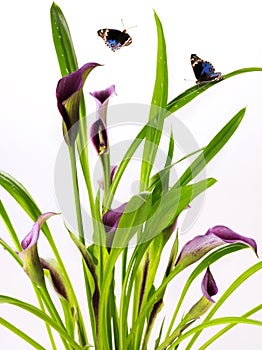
x: 203, y: 70
x: 115, y: 39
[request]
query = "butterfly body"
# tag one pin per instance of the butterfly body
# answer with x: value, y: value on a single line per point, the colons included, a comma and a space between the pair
x: 115, y: 39
x: 204, y: 71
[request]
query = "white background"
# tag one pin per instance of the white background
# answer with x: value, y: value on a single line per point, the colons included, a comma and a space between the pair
x: 228, y: 33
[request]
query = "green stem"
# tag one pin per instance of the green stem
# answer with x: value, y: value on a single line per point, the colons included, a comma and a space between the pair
x: 76, y: 193
x: 48, y: 328
x: 105, y: 160
x: 53, y: 312
x: 82, y: 332
x: 80, y: 322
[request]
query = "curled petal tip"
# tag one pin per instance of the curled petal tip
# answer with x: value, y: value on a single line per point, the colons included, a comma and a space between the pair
x: 208, y: 286
x: 229, y: 236
x: 68, y: 94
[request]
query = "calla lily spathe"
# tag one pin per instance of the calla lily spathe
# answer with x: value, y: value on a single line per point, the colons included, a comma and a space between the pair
x: 29, y: 253
x: 98, y: 130
x: 98, y: 135
x: 214, y: 237
x: 209, y: 289
x: 208, y: 286
x: 102, y: 99
x: 68, y: 94
x: 111, y: 221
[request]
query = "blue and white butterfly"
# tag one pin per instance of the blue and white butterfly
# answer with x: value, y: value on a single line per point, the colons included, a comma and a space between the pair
x: 115, y: 39
x: 204, y: 71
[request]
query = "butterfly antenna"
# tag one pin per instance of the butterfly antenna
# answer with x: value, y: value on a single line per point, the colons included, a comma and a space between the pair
x: 125, y: 29
x: 189, y: 80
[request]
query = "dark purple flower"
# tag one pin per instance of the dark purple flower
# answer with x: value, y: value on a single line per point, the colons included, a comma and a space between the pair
x: 111, y: 221
x: 215, y: 236
x: 29, y: 254
x: 98, y: 134
x: 56, y: 276
x: 68, y: 94
x: 209, y: 289
x: 102, y: 99
x: 112, y: 173
x: 208, y: 286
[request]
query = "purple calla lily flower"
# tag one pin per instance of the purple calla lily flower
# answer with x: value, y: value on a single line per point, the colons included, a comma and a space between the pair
x: 32, y: 237
x: 29, y: 253
x: 56, y: 276
x: 102, y: 99
x: 98, y: 134
x: 208, y: 286
x: 111, y: 221
x: 68, y: 94
x: 209, y: 289
x: 214, y: 237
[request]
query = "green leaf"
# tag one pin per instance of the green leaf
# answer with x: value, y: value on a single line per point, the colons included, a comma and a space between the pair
x: 41, y: 315
x: 234, y: 286
x: 160, y: 178
x: 21, y: 334
x: 211, y: 258
x: 11, y: 230
x: 160, y: 93
x: 157, y: 110
x: 227, y: 328
x: 170, y: 205
x: 159, y: 335
x: 63, y: 42
x: 204, y: 325
x: 135, y: 214
x: 196, y: 90
x: 172, y: 106
x: 209, y: 152
x: 20, y: 194
x: 133, y: 217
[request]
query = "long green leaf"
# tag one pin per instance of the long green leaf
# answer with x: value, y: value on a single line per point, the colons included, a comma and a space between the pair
x: 170, y: 205
x: 200, y: 268
x: 8, y: 223
x: 160, y: 93
x: 62, y: 41
x: 135, y: 214
x: 191, y: 93
x: 20, y: 194
x: 173, y: 106
x: 24, y: 199
x: 21, y: 334
x: 204, y: 325
x: 214, y: 146
x: 241, y: 279
x: 41, y: 315
x: 157, y: 110
x: 227, y: 328
x: 219, y: 253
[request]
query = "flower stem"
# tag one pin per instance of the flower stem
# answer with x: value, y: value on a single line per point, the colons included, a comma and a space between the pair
x: 76, y: 193
x: 105, y: 160
x: 53, y: 312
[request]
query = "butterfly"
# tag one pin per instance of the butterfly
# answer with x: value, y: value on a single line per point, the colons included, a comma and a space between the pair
x: 115, y: 39
x: 204, y: 71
